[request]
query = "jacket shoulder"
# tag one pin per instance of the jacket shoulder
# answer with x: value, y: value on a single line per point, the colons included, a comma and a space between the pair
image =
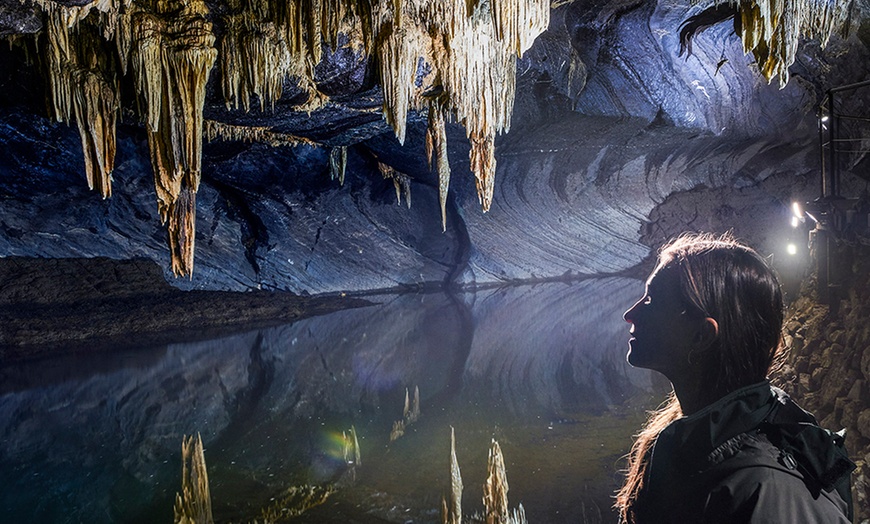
x: 753, y: 481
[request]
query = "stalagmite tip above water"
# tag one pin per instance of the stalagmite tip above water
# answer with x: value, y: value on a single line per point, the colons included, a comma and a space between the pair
x: 193, y: 504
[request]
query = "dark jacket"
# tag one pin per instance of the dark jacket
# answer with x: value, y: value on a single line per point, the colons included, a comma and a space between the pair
x: 753, y: 456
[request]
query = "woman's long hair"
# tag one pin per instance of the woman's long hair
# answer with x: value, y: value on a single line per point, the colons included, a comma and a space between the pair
x: 731, y: 283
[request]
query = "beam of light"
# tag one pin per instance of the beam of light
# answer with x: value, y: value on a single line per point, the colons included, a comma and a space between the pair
x: 825, y: 118
x: 796, y: 209
x: 792, y: 249
x: 795, y: 221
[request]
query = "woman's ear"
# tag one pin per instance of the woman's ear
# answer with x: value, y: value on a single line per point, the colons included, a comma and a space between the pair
x: 709, y: 332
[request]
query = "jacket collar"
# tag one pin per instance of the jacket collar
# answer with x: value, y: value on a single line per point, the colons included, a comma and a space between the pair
x: 742, y: 410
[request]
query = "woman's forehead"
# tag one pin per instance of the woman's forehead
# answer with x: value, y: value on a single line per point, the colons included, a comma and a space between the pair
x: 663, y: 277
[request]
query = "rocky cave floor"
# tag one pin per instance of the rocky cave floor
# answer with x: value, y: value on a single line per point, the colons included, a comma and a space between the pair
x: 52, y: 307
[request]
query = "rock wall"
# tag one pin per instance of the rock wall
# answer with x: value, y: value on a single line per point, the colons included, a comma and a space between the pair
x: 828, y: 366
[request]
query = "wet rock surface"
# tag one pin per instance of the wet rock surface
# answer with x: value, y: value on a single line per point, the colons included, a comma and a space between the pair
x: 51, y: 307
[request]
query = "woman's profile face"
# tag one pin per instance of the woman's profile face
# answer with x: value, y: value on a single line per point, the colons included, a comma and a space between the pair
x: 662, y: 332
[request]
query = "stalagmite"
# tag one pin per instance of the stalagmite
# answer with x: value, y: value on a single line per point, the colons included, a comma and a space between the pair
x: 495, y: 489
x: 454, y: 510
x: 398, y: 430
x: 173, y: 49
x: 193, y: 504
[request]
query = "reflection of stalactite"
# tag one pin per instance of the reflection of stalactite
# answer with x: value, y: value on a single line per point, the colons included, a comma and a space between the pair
x: 495, y: 489
x: 193, y: 504
x: 398, y: 430
x: 412, y: 408
x: 173, y: 54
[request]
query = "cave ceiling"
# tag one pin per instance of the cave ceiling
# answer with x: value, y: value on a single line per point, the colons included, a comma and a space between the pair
x: 322, y: 146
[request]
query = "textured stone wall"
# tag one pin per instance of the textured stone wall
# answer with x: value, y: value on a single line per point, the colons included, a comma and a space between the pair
x: 828, y: 367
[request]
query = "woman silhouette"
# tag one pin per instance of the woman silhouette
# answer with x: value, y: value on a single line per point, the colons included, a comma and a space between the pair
x: 725, y: 446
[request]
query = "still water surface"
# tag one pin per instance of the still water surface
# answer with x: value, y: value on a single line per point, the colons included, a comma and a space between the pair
x: 541, y: 369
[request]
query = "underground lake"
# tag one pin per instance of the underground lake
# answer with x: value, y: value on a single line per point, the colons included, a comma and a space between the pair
x: 540, y: 369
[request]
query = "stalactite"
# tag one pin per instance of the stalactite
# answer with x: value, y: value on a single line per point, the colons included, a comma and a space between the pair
x: 398, y: 55
x: 96, y: 108
x: 173, y: 52
x: 213, y: 130
x: 401, y: 181
x: 436, y: 145
x: 193, y: 504
x: 82, y: 84
x: 483, y: 166
x: 770, y: 30
x: 337, y: 163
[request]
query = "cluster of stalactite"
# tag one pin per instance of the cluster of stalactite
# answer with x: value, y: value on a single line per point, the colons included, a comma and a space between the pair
x: 83, y: 87
x: 454, y: 58
x: 169, y: 46
x: 771, y: 29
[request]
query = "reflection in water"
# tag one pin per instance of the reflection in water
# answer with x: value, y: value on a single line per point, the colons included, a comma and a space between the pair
x: 541, y: 369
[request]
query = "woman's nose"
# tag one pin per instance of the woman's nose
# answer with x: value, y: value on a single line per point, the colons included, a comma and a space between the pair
x: 628, y: 316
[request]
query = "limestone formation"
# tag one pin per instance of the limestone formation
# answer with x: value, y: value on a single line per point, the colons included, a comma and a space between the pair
x: 771, y: 30
x: 173, y: 53
x: 453, y: 514
x: 193, y: 504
